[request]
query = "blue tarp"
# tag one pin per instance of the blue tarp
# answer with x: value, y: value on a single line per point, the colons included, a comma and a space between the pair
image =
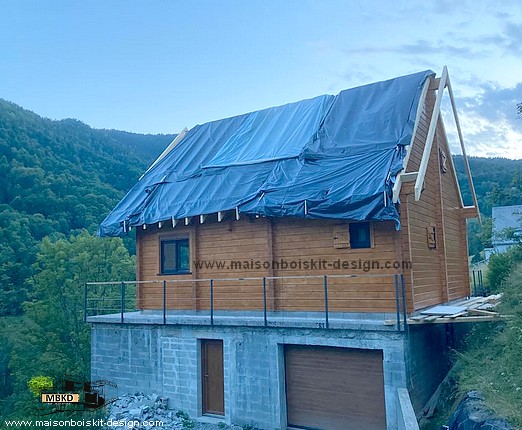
x: 327, y: 157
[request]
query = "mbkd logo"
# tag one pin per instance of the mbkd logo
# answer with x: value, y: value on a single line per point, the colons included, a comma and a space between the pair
x: 60, y: 398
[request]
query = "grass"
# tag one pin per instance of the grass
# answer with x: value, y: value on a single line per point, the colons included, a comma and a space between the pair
x: 492, y: 362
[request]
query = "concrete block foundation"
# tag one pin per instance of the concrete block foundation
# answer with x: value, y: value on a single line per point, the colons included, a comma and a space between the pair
x: 166, y: 360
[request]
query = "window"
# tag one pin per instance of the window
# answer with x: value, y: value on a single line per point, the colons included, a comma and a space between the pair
x: 175, y: 256
x: 431, y: 233
x: 360, y: 235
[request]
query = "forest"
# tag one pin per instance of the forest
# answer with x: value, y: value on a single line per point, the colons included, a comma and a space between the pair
x: 58, y: 180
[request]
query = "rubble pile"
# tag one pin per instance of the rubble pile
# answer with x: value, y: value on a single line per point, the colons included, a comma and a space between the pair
x: 131, y: 411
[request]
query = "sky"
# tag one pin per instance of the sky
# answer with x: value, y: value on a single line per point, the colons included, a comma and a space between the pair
x: 157, y: 66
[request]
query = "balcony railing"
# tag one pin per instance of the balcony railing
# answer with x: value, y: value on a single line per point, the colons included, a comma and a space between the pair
x: 323, y: 296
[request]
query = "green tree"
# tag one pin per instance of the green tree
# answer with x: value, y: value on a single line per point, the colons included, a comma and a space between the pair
x: 485, y: 233
x: 52, y: 338
x: 500, y: 266
x: 58, y: 177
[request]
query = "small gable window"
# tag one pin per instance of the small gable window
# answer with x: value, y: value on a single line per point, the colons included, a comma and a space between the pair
x: 360, y: 235
x: 431, y: 233
x: 175, y: 256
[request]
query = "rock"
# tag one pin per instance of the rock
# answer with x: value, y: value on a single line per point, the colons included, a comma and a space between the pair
x: 472, y: 414
x: 135, y: 413
x: 140, y: 407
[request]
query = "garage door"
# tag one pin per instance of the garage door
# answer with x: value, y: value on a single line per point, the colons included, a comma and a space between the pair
x: 334, y: 388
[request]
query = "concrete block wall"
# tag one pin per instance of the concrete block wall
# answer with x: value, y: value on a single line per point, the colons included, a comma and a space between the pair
x: 181, y: 374
x: 129, y: 356
x: 427, y: 361
x: 166, y: 360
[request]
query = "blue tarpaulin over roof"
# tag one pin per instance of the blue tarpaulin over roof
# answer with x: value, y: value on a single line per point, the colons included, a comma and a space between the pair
x: 327, y: 157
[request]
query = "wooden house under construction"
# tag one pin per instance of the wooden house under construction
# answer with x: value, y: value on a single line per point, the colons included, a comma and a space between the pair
x: 280, y: 255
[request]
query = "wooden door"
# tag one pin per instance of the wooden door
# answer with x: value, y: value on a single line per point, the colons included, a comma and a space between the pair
x: 212, y: 377
x: 331, y: 388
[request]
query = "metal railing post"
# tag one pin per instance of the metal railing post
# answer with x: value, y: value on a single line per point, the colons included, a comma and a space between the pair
x: 404, y: 310
x: 264, y: 301
x: 211, y: 302
x: 164, y: 302
x: 325, y: 284
x: 85, y: 302
x: 397, y: 304
x: 474, y: 284
x: 122, y: 310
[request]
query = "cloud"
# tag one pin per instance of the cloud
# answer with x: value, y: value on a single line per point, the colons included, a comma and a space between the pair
x: 507, y: 41
x: 420, y: 48
x: 488, y: 139
x: 490, y: 123
x: 489, y: 120
x: 495, y: 104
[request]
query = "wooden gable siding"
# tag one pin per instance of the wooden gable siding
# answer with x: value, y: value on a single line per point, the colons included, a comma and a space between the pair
x: 292, y: 241
x: 455, y: 237
x: 424, y: 280
x: 441, y: 274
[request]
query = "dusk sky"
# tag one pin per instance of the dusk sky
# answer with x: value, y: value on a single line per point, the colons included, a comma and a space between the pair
x: 159, y: 66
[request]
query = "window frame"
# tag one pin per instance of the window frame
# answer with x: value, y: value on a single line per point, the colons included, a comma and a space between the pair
x: 178, y: 241
x: 369, y: 243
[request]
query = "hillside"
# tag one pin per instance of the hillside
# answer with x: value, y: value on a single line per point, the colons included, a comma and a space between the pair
x: 58, y: 177
x: 498, y: 181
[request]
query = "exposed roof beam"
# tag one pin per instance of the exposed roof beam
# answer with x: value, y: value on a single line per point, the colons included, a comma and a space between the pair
x: 220, y: 216
x: 419, y: 183
x: 409, y: 177
x: 169, y: 148
x: 470, y: 212
x: 464, y: 155
x: 434, y: 84
x: 444, y: 82
x: 420, y: 108
x: 202, y: 219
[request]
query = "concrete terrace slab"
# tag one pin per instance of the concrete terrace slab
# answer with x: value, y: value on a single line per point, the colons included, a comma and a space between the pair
x: 337, y: 320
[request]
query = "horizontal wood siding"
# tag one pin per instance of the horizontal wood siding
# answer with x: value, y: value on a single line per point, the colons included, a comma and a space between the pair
x: 440, y: 274
x: 457, y: 265
x: 304, y: 240
x: 284, y: 241
x: 417, y: 216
